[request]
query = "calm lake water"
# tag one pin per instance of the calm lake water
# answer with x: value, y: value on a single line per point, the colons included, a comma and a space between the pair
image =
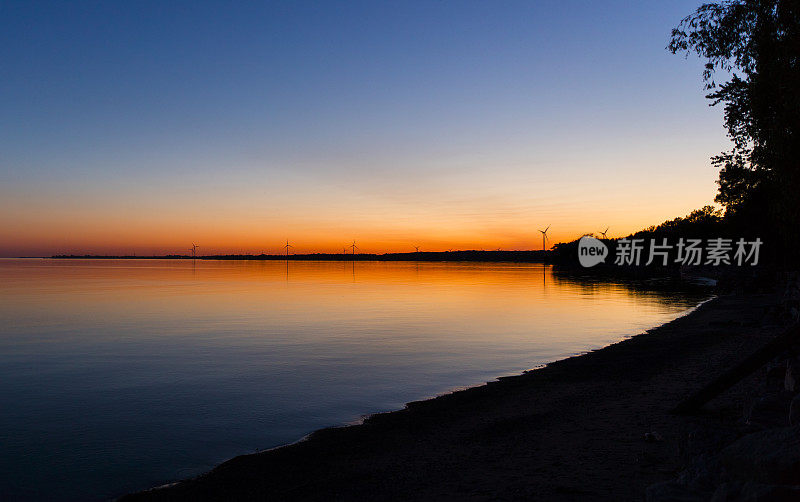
x: 118, y: 375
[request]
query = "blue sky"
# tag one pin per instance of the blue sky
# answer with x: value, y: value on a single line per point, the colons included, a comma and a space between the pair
x: 455, y: 124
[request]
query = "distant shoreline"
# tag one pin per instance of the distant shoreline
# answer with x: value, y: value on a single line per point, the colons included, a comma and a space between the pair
x: 483, y: 256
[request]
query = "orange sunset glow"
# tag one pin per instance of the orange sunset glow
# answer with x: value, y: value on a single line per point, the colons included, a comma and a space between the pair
x: 421, y: 250
x: 451, y: 143
x: 458, y: 210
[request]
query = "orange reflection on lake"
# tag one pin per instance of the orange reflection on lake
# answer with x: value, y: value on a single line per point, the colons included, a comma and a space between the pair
x: 187, y: 363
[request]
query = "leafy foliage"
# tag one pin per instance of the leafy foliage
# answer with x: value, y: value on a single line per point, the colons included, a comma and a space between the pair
x: 756, y: 44
x: 705, y: 222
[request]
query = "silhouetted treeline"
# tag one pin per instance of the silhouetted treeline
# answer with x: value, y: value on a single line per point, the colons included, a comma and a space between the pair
x: 705, y: 223
x: 756, y: 45
x: 705, y: 226
x: 488, y: 256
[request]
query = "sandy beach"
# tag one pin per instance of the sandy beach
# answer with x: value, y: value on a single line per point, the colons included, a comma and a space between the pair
x: 574, y: 430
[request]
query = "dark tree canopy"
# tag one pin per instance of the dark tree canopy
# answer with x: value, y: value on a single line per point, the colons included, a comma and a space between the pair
x: 755, y: 45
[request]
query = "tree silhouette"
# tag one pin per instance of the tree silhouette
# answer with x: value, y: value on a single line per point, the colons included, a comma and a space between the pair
x: 755, y: 44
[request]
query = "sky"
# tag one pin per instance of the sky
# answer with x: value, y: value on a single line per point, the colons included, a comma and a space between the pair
x: 141, y: 127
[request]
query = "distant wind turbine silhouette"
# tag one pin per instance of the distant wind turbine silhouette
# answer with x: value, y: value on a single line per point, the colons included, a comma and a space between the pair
x: 544, y: 236
x: 603, y: 233
x: 353, y: 245
x: 416, y: 249
x: 194, y: 249
x: 287, y: 246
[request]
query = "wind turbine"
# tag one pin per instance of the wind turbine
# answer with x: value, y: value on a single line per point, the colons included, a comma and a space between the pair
x: 544, y: 236
x: 194, y: 249
x: 353, y: 245
x: 416, y: 248
x: 286, y: 247
x: 603, y: 233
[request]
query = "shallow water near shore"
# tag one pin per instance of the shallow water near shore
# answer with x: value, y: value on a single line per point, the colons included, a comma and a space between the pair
x: 117, y: 375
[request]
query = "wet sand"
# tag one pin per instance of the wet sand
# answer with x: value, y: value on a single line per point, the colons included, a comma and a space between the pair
x: 574, y: 430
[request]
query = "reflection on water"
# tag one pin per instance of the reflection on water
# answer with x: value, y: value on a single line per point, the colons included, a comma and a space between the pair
x: 119, y: 375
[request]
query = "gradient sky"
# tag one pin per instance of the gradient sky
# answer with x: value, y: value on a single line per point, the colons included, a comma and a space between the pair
x: 143, y: 126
